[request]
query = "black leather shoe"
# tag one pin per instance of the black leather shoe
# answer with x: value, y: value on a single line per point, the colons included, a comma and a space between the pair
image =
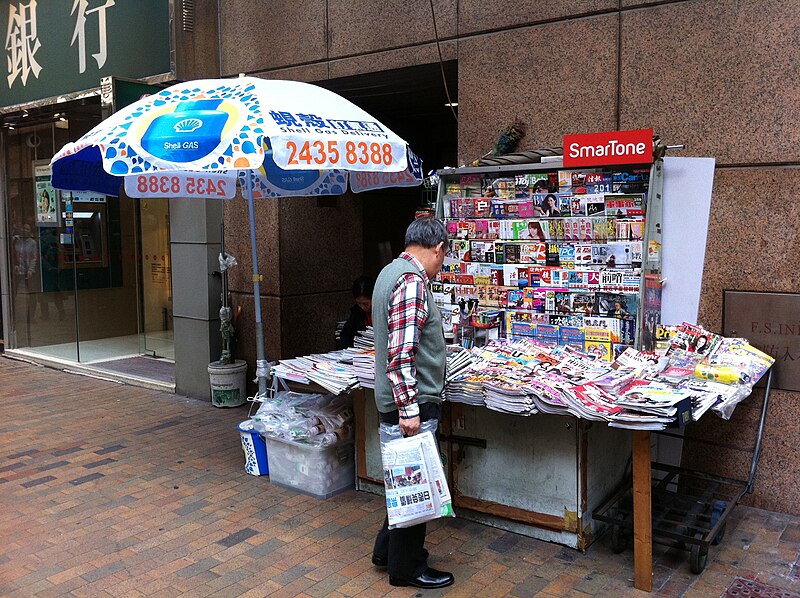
x: 430, y: 579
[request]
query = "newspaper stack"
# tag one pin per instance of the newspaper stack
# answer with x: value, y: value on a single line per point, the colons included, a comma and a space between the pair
x: 548, y: 392
x: 364, y: 339
x: 458, y: 360
x: 648, y: 405
x: 591, y: 402
x: 364, y: 368
x: 467, y: 388
x: 638, y: 390
x: 326, y: 370
x: 508, y: 395
x: 290, y: 369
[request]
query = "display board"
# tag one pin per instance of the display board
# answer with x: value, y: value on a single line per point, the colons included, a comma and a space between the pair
x: 555, y: 255
x: 686, y: 204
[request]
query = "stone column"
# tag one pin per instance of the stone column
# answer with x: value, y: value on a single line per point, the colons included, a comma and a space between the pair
x: 195, y: 231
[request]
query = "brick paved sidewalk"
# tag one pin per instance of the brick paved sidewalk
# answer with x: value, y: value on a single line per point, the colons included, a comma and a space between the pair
x: 113, y: 490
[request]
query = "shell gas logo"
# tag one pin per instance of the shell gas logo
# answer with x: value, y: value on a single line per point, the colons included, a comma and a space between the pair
x: 188, y: 125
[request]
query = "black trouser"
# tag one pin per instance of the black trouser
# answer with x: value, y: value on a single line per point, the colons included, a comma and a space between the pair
x: 404, y: 547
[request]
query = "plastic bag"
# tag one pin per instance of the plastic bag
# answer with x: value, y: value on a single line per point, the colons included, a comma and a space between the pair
x: 414, y: 479
x: 226, y: 261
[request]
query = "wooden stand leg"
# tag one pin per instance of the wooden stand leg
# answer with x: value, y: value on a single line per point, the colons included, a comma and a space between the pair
x: 642, y: 512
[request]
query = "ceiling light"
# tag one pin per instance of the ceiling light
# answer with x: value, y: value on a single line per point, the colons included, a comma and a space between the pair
x: 451, y: 104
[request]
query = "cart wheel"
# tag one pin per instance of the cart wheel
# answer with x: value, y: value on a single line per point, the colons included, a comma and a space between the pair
x: 698, y: 558
x: 619, y: 540
x: 720, y: 534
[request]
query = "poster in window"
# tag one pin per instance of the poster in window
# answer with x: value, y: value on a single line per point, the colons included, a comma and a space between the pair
x: 46, y: 202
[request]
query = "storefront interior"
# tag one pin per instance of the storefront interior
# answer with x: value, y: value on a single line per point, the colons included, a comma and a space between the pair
x: 88, y: 275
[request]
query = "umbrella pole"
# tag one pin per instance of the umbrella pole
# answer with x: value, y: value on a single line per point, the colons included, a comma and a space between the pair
x: 261, y: 362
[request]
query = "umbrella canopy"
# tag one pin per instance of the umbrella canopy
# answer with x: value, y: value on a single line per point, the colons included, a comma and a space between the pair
x: 280, y: 138
x: 245, y: 124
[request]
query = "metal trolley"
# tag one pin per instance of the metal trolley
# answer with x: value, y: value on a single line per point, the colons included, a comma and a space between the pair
x: 690, y: 509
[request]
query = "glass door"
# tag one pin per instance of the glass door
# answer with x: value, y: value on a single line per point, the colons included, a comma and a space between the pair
x: 42, y: 298
x: 155, y: 276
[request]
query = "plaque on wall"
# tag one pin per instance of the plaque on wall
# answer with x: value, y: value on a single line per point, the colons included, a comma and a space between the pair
x: 771, y: 322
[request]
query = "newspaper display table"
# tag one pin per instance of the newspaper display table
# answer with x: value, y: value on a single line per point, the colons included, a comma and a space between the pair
x: 538, y: 476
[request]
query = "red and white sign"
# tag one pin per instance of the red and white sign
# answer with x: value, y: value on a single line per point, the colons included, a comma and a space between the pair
x: 613, y: 147
x: 181, y: 184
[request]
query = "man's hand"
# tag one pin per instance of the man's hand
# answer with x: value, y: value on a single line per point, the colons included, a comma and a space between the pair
x: 409, y: 427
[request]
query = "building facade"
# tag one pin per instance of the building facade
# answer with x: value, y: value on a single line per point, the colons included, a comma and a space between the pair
x: 708, y: 75
x: 87, y: 278
x: 705, y: 74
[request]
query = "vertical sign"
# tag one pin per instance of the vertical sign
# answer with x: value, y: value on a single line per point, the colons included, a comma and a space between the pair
x: 46, y: 202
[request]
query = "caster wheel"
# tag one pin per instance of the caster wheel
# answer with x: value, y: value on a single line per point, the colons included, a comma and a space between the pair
x: 698, y: 558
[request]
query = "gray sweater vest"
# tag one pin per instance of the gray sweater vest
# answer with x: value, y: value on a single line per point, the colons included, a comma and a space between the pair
x: 431, y: 353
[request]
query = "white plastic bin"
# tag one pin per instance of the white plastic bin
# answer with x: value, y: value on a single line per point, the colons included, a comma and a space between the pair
x: 320, y: 472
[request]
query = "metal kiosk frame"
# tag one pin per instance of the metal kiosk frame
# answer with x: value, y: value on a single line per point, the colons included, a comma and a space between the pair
x: 690, y: 508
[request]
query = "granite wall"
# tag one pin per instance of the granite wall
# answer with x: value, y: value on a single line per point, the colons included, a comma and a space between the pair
x: 721, y: 77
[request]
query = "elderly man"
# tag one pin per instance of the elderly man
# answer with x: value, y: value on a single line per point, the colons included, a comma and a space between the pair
x: 410, y: 357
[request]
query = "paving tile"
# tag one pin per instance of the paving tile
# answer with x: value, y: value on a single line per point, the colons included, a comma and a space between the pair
x: 27, y: 453
x: 87, y: 478
x: 99, y: 463
x: 110, y: 449
x: 195, y: 524
x: 791, y: 533
x: 38, y: 481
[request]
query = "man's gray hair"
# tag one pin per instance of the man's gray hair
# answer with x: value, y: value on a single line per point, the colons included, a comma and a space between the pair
x: 426, y: 232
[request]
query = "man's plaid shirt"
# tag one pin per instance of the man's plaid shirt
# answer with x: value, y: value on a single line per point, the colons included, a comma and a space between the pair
x: 408, y: 311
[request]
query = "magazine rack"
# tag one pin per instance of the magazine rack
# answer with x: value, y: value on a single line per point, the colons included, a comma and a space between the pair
x: 690, y: 509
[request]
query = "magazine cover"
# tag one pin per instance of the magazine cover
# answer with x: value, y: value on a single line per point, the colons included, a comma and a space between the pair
x: 471, y: 185
x: 552, y: 255
x: 571, y: 336
x: 504, y: 187
x: 482, y: 207
x: 694, y: 339
x: 620, y: 254
x: 631, y: 181
x: 512, y: 252
x: 583, y: 304
x: 598, y: 182
x: 593, y: 205
x: 565, y: 203
x: 617, y: 305
x: 482, y: 251
x: 567, y: 320
x: 619, y: 204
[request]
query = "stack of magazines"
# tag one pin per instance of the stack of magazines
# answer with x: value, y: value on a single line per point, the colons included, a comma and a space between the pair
x: 695, y: 372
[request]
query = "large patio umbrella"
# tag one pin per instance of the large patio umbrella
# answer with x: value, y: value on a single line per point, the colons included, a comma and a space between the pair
x: 278, y: 138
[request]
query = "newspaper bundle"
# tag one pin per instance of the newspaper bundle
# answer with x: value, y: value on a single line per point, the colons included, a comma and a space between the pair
x: 413, y: 476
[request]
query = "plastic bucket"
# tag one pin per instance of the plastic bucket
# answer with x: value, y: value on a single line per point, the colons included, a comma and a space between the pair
x: 255, y: 450
x: 228, y: 383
